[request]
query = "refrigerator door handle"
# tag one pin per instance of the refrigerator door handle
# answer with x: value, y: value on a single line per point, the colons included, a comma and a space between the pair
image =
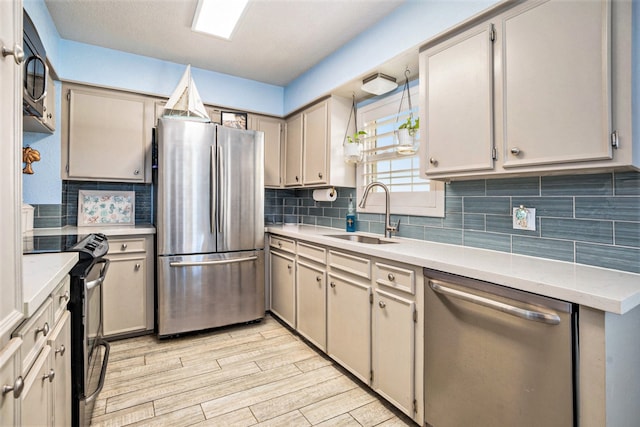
x: 218, y: 262
x: 212, y: 191
x: 221, y: 203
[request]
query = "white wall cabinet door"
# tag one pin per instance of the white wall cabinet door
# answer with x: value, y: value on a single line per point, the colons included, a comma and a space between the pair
x: 312, y: 303
x: 555, y: 83
x: 10, y: 168
x: 316, y: 144
x: 393, y: 349
x: 283, y: 287
x: 458, y: 86
x: 293, y: 151
x: 273, y: 153
x: 106, y: 135
x: 349, y: 325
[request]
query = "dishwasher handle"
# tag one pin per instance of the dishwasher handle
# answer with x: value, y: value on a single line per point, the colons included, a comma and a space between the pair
x: 536, y: 316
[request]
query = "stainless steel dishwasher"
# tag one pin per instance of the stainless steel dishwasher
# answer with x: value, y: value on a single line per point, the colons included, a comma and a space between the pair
x: 496, y: 356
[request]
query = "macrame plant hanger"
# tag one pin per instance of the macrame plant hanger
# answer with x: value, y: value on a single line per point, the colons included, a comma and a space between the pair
x: 352, y: 145
x: 406, y: 134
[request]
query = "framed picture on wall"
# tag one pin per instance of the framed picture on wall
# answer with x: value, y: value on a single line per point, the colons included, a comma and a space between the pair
x: 234, y: 119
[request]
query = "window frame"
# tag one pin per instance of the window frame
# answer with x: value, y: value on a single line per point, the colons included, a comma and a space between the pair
x: 406, y: 202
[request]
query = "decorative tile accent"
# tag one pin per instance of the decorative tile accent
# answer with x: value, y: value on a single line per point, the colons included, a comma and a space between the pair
x: 106, y: 208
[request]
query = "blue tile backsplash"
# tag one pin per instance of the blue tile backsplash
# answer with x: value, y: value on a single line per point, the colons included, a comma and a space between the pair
x: 46, y: 216
x: 587, y: 219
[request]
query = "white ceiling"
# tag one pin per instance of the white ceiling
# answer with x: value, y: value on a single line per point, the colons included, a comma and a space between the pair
x: 275, y: 41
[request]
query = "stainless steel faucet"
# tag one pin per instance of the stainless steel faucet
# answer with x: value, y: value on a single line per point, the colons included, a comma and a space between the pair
x: 388, y: 228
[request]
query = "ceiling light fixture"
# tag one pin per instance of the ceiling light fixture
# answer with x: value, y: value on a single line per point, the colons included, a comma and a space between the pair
x: 218, y: 17
x: 379, y: 83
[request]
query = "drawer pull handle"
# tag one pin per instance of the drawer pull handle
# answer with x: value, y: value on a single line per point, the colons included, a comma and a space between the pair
x: 279, y: 244
x: 51, y: 375
x: 17, y: 387
x: 44, y: 329
x: 333, y: 284
x: 64, y: 297
x: 61, y: 350
x: 382, y: 304
x: 124, y: 247
x: 137, y: 267
x: 318, y: 279
x: 391, y: 277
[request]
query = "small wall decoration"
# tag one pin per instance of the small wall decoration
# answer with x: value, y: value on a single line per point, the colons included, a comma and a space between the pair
x: 29, y: 155
x: 234, y: 119
x: 106, y: 208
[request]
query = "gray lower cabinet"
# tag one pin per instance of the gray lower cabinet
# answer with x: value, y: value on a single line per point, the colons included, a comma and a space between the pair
x: 129, y: 288
x: 365, y: 313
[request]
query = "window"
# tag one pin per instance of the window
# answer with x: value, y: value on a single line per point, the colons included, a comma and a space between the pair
x: 410, y: 193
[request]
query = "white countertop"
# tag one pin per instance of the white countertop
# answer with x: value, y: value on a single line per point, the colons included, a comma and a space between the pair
x: 600, y: 288
x: 41, y: 273
x: 109, y: 230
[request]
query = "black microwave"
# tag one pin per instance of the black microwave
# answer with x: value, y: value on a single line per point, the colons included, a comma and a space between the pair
x: 35, y: 70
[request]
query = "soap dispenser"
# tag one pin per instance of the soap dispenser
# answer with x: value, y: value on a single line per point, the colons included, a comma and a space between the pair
x: 351, y: 216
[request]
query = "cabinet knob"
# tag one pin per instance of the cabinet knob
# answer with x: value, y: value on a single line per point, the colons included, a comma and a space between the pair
x: 17, y: 53
x: 319, y: 174
x: 382, y: 304
x: 17, y: 387
x: 49, y: 116
x: 332, y: 284
x: 515, y: 151
x: 136, y: 172
x: 289, y: 266
x: 318, y: 279
x: 51, y: 375
x: 391, y: 277
x: 44, y: 329
x: 60, y: 350
x: 124, y: 247
x: 297, y: 178
x: 279, y: 244
x: 64, y: 297
x: 433, y: 161
x: 137, y: 266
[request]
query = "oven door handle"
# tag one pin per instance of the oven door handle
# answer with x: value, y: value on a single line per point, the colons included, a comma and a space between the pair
x: 103, y: 273
x: 103, y: 372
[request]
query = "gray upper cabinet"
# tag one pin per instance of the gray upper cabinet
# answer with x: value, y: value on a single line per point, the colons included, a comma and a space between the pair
x: 106, y: 135
x: 459, y: 86
x: 273, y: 129
x: 534, y: 88
x: 555, y: 83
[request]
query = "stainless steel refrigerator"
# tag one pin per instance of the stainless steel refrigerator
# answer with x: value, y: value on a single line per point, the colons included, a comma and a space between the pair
x: 209, y: 197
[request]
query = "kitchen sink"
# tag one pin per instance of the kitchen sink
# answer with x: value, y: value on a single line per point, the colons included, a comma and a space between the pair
x: 361, y: 239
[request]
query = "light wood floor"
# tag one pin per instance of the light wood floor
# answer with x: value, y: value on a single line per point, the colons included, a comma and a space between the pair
x: 258, y: 374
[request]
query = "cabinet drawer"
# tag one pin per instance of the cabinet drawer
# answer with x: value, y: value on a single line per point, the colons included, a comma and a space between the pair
x: 34, y: 333
x: 60, y: 298
x: 283, y: 244
x: 355, y: 265
x: 402, y: 279
x: 312, y: 253
x: 126, y: 246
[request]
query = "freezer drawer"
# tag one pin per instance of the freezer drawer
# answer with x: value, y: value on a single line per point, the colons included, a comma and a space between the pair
x: 198, y: 292
x: 496, y: 356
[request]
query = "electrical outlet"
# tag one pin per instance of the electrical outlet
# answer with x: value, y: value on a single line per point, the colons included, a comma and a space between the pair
x: 524, y: 218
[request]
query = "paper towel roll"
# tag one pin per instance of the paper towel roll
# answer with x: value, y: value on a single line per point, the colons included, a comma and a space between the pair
x: 325, y: 195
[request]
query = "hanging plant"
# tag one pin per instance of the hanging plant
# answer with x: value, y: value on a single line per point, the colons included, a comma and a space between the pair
x: 406, y: 135
x: 352, y: 146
